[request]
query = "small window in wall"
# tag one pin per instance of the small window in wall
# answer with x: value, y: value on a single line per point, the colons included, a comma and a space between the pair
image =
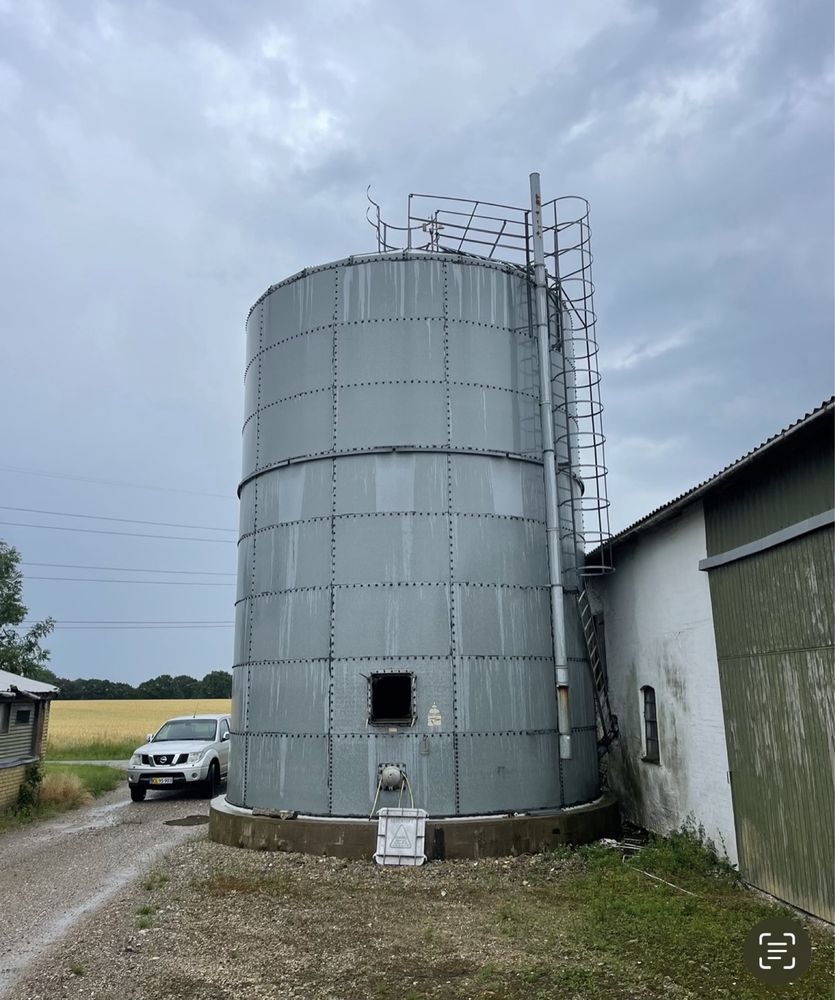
x: 23, y: 716
x: 650, y: 726
x: 5, y: 712
x: 391, y: 699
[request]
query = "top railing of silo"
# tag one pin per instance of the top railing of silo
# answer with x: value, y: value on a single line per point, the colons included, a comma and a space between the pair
x: 491, y: 230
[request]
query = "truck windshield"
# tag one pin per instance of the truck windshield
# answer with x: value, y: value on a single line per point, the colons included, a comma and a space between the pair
x: 187, y: 729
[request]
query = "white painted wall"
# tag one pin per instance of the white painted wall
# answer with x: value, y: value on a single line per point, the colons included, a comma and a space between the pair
x: 659, y: 631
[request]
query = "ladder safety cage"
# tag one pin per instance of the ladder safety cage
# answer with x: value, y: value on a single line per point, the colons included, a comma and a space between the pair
x: 445, y: 224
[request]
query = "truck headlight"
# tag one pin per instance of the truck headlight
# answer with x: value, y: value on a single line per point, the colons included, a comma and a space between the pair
x: 197, y: 755
x: 136, y: 760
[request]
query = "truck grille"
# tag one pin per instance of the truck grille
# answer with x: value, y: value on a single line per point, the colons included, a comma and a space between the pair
x: 164, y: 759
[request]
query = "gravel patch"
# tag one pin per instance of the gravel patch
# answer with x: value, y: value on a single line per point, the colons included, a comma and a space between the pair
x: 217, y: 923
x: 53, y: 873
x: 210, y: 922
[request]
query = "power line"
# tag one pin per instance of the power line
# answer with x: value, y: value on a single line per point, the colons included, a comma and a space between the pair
x: 135, y: 621
x: 134, y: 628
x: 111, y: 482
x: 79, y: 625
x: 159, y: 583
x: 127, y: 534
x: 123, y: 520
x: 129, y: 569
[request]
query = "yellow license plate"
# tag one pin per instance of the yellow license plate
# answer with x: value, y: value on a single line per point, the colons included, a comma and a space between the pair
x: 162, y: 781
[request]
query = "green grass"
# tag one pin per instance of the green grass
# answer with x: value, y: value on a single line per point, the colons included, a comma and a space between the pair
x: 578, y: 924
x: 145, y: 917
x: 154, y: 880
x: 94, y: 749
x: 96, y: 779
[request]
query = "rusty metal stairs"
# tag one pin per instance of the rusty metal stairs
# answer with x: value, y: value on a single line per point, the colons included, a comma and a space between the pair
x: 607, y: 721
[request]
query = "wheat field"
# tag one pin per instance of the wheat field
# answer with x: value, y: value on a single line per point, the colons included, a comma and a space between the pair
x: 99, y: 730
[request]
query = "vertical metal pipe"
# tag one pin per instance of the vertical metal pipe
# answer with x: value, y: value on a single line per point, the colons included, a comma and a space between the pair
x: 549, y: 469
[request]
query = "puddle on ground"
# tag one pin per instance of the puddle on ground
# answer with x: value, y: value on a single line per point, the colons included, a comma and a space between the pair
x: 187, y: 821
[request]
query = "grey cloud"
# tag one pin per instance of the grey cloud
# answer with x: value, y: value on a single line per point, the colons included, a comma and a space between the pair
x: 162, y: 164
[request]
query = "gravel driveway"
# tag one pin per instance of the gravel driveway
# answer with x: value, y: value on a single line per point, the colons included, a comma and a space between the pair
x: 52, y: 873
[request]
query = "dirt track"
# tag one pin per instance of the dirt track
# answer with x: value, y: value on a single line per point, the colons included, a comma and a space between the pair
x: 53, y: 873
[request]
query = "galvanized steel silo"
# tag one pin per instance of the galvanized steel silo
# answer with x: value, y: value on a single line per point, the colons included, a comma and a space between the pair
x: 393, y: 601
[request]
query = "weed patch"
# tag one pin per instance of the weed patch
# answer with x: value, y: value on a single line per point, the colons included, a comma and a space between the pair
x: 154, y: 880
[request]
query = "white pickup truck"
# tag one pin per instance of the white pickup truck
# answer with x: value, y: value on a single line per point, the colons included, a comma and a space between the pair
x: 190, y: 750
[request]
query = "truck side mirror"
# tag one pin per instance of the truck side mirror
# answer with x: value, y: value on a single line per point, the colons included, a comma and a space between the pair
x: 149, y: 737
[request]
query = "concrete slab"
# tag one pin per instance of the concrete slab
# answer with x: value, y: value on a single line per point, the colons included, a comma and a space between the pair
x: 467, y: 837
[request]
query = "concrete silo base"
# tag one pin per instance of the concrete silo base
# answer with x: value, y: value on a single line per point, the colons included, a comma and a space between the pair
x: 468, y: 837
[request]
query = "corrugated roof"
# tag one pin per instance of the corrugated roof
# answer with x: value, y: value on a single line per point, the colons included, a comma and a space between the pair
x: 696, y: 492
x: 14, y: 682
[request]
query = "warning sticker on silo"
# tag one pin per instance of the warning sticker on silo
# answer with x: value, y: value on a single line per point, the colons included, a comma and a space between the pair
x: 434, y: 717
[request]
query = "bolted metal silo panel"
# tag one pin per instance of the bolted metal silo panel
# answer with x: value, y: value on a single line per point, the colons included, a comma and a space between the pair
x: 582, y: 693
x: 235, y: 785
x: 391, y: 483
x: 295, y: 493
x: 293, y: 556
x: 290, y: 625
x: 485, y: 419
x: 246, y: 563
x: 396, y: 548
x: 302, y: 364
x: 427, y: 760
x: 251, y: 380
x: 287, y: 772
x: 247, y: 515
x: 490, y: 295
x: 376, y: 415
x: 500, y: 486
x: 369, y: 353
x: 515, y: 769
x: 491, y: 549
x: 240, y: 652
x: 504, y: 359
x: 249, y: 448
x: 505, y: 694
x: 388, y: 288
x: 293, y: 697
x: 503, y: 621
x: 581, y: 781
x: 294, y: 428
x: 391, y: 620
x: 298, y: 306
x: 240, y: 687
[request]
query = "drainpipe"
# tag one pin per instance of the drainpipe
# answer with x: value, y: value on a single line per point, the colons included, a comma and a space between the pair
x: 549, y: 468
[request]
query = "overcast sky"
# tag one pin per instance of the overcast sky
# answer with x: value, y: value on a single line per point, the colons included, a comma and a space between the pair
x: 163, y: 163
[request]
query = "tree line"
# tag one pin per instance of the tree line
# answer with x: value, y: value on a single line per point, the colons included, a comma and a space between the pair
x: 216, y: 684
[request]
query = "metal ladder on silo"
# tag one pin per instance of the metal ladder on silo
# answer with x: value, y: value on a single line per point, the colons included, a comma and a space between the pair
x: 607, y: 721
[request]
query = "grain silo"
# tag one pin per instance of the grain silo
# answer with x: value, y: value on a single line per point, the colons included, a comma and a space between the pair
x: 417, y: 495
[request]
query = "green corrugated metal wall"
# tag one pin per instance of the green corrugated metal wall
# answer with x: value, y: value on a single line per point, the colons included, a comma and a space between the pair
x: 775, y: 629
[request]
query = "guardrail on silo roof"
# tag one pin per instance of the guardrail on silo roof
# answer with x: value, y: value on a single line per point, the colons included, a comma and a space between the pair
x: 445, y: 224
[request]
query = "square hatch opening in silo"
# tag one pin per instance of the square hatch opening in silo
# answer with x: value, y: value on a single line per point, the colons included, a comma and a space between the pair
x: 391, y: 699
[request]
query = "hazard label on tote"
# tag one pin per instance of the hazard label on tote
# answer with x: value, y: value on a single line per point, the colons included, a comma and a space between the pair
x: 400, y: 836
x: 401, y: 841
